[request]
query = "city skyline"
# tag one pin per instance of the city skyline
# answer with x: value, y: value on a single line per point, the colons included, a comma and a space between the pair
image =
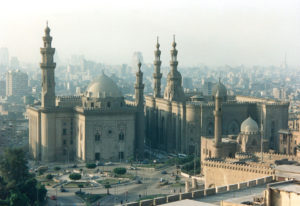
x: 214, y: 33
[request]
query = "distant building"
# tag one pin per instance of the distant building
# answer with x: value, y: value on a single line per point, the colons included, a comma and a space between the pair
x: 14, y: 63
x: 283, y: 193
x: 4, y: 58
x: 16, y: 83
x: 2, y: 88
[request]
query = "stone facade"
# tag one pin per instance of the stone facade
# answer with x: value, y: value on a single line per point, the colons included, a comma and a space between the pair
x: 98, y: 126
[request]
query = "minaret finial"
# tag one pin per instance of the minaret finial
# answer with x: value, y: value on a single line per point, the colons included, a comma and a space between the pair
x: 174, y: 43
x: 139, y: 64
x: 157, y: 42
x: 47, y: 23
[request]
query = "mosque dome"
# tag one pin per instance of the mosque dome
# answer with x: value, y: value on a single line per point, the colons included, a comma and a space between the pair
x: 249, y: 126
x: 102, y: 87
x: 221, y: 89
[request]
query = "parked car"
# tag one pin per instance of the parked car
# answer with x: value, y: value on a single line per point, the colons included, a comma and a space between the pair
x: 79, y: 192
x: 138, y: 182
x: 164, y: 172
x: 63, y: 190
x: 53, y: 197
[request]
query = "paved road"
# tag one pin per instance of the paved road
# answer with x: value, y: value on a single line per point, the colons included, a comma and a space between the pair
x: 150, y: 186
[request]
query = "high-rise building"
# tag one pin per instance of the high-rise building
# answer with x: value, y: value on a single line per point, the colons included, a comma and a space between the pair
x: 4, y: 58
x: 2, y: 88
x: 16, y: 83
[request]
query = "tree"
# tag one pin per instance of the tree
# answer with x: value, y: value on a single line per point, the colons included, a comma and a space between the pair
x: 107, y: 186
x: 17, y: 185
x: 13, y: 166
x: 17, y: 199
x: 75, y: 176
x: 91, y: 165
x: 49, y: 176
x: 120, y: 170
x: 56, y: 168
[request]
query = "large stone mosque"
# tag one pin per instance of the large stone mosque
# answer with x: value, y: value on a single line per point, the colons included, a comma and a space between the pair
x: 101, y: 125
x: 96, y: 126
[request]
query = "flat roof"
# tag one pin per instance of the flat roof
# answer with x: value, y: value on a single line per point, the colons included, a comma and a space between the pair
x: 290, y: 171
x: 235, y: 196
x: 189, y: 203
x: 288, y: 187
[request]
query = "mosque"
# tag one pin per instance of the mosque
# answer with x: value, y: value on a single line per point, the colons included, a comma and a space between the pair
x: 97, y: 126
x: 177, y: 122
x: 101, y: 125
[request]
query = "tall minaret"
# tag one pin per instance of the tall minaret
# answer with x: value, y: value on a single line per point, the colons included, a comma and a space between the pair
x: 48, y: 66
x: 139, y: 87
x: 174, y: 89
x: 157, y: 75
x: 218, y: 122
x: 140, y: 117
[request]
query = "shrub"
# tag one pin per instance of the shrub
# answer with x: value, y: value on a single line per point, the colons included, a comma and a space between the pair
x: 75, y: 176
x: 49, y: 176
x: 56, y: 168
x: 91, y: 165
x: 120, y: 170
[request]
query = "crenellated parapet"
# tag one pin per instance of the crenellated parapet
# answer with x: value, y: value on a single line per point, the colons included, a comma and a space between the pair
x: 260, y: 169
x: 68, y: 101
x: 275, y: 156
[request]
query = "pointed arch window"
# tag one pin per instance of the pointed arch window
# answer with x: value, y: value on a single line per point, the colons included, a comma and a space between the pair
x: 97, y: 136
x: 121, y: 136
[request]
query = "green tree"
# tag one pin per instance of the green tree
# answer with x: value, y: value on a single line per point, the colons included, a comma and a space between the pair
x: 17, y: 199
x: 13, y: 166
x: 17, y: 185
x: 120, y: 170
x: 107, y: 186
x: 75, y: 176
x: 91, y: 165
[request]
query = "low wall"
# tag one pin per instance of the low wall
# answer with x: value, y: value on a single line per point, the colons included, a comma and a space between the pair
x: 159, y: 200
x: 186, y: 195
x: 133, y: 204
x: 260, y: 181
x: 210, y: 191
x: 146, y: 202
x: 198, y: 194
x: 243, y: 185
x: 221, y: 189
x: 232, y: 187
x: 172, y: 198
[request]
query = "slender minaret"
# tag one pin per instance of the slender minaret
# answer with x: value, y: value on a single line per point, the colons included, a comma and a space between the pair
x: 157, y: 75
x: 47, y: 66
x: 139, y: 87
x: 140, y: 117
x: 174, y: 89
x: 174, y: 52
x: 218, y: 119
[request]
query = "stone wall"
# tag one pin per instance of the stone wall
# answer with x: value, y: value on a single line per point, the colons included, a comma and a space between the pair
x: 224, y: 173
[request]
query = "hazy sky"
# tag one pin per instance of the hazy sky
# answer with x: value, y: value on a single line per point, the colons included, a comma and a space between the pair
x: 212, y: 32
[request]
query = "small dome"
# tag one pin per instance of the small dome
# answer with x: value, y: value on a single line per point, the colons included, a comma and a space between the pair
x: 220, y: 89
x: 103, y: 86
x: 249, y: 126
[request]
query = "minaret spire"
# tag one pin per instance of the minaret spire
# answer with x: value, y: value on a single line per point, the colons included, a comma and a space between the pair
x: 174, y: 90
x: 218, y: 124
x: 140, y: 118
x: 157, y: 75
x: 47, y: 65
x: 139, y: 86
